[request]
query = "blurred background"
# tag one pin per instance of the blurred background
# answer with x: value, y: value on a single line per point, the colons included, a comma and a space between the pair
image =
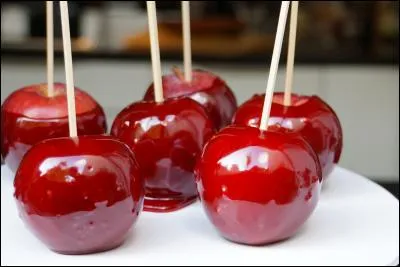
x: 329, y: 31
x: 347, y: 52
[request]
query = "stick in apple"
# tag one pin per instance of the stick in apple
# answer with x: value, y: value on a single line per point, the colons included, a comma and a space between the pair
x: 68, y: 68
x: 274, y: 65
x: 50, y: 48
x: 291, y: 50
x: 155, y: 51
x: 187, y: 51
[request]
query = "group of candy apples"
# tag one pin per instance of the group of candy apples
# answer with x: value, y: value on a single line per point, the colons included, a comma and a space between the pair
x: 82, y: 195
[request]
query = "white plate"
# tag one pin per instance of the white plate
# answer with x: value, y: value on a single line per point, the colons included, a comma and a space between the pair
x: 356, y: 223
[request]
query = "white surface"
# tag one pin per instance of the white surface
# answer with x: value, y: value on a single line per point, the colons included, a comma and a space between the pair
x: 365, y: 98
x: 355, y: 223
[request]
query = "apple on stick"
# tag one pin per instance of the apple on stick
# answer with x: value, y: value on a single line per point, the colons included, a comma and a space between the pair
x: 78, y: 194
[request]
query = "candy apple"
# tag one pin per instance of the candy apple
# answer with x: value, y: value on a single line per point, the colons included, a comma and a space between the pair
x: 205, y: 88
x: 29, y: 115
x: 167, y: 138
x: 79, y: 195
x: 310, y: 116
x: 258, y: 187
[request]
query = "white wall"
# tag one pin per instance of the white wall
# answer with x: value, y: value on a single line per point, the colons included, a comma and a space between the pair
x: 366, y: 99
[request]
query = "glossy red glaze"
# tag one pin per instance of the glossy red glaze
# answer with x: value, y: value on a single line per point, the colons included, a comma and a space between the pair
x: 207, y: 89
x: 308, y: 115
x: 167, y: 139
x: 79, y: 195
x: 258, y: 187
x: 28, y: 116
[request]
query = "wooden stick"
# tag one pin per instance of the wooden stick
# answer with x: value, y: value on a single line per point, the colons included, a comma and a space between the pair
x: 155, y: 51
x: 274, y: 65
x: 50, y: 48
x: 187, y: 50
x: 290, y: 56
x: 68, y: 68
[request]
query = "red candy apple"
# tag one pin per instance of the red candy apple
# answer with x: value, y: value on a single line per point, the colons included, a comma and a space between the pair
x: 29, y: 115
x: 308, y: 115
x: 205, y: 88
x: 167, y: 138
x: 79, y: 195
x: 258, y: 187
